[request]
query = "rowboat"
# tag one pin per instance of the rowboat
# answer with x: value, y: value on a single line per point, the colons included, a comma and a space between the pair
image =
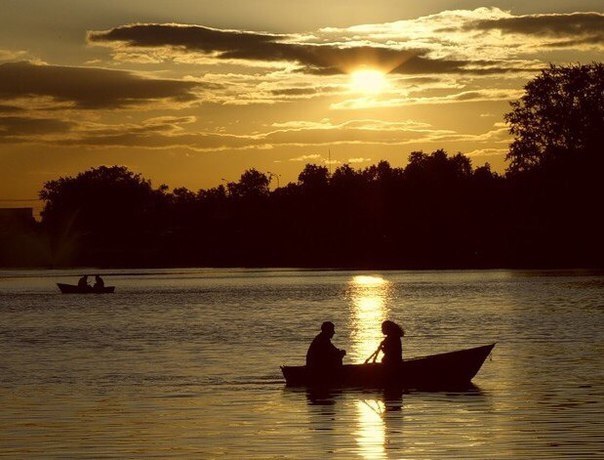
x: 454, y: 369
x: 75, y: 289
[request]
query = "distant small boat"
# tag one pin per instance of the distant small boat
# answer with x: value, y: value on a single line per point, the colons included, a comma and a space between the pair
x: 442, y: 371
x: 75, y: 289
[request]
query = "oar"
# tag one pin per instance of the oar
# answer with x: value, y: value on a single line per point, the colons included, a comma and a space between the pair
x: 374, y: 355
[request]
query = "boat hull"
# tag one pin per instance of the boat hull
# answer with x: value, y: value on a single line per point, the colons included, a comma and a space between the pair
x: 74, y: 289
x: 446, y: 370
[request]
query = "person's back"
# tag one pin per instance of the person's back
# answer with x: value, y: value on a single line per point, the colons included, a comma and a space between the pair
x: 393, y: 350
x: 322, y: 354
x: 83, y: 282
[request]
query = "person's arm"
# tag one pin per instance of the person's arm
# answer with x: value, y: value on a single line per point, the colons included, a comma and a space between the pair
x: 375, y: 354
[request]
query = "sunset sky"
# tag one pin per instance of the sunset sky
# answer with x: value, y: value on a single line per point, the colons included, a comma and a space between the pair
x: 193, y: 92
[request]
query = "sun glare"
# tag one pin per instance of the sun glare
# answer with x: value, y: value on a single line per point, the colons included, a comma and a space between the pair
x: 368, y: 81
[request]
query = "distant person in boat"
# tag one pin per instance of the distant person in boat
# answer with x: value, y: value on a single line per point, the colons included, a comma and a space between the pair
x: 98, y: 282
x: 391, y: 346
x: 83, y: 282
x: 322, y: 354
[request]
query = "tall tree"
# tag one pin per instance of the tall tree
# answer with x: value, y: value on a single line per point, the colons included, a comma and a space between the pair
x: 560, y: 115
x: 99, y: 212
x: 314, y: 177
x: 556, y: 160
x: 252, y: 183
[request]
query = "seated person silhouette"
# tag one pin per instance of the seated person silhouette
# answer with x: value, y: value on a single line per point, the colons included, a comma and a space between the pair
x: 83, y: 282
x: 98, y: 282
x: 391, y: 346
x: 322, y: 356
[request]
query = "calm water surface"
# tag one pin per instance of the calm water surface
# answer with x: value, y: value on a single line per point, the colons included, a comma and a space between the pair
x: 185, y: 364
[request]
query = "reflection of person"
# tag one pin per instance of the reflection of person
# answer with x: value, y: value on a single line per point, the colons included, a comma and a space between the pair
x: 322, y: 354
x: 83, y: 282
x: 98, y: 282
x: 391, y: 346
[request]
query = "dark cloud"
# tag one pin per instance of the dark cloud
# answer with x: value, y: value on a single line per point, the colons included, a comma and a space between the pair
x: 143, y: 137
x: 9, y: 109
x: 321, y: 59
x: 196, y: 38
x: 229, y: 44
x: 551, y: 25
x: 469, y: 96
x: 87, y: 87
x: 154, y: 132
x: 592, y: 40
x: 306, y: 91
x: 163, y: 133
x: 295, y: 92
x: 421, y: 80
x: 420, y: 65
x: 13, y: 128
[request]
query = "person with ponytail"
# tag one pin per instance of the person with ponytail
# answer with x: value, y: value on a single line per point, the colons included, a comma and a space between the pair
x: 391, y: 346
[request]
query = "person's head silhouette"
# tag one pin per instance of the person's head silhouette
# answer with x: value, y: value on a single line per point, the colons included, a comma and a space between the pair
x: 328, y: 328
x: 392, y: 329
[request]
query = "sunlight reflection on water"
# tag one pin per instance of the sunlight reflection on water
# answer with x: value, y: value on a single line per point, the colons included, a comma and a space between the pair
x: 369, y: 296
x: 370, y: 435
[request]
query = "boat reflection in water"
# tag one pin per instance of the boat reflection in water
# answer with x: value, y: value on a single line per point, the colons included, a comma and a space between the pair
x: 374, y: 424
x: 355, y: 423
x: 369, y: 297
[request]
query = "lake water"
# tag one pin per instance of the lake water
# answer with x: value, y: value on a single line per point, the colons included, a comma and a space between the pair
x: 185, y: 364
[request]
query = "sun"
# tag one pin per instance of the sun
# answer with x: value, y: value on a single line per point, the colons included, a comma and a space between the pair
x: 368, y: 81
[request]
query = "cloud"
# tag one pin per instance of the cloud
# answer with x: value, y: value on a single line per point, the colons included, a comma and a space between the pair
x: 306, y: 158
x: 358, y: 160
x: 22, y: 129
x: 11, y: 55
x: 293, y: 92
x: 312, y: 58
x: 478, y: 95
x: 88, y: 87
x: 9, y: 109
x: 551, y: 25
x: 192, y: 38
x: 453, y: 57
x: 244, y: 45
x: 170, y: 132
x: 487, y: 152
x: 479, y: 33
x: 572, y: 30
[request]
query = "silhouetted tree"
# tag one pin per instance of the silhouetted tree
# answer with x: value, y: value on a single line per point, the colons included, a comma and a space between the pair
x: 252, y: 183
x: 314, y: 177
x: 556, y: 160
x: 248, y: 207
x: 561, y: 113
x: 308, y: 216
x: 99, y: 213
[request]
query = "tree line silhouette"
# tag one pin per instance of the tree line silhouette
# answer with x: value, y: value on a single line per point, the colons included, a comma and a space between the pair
x: 435, y: 212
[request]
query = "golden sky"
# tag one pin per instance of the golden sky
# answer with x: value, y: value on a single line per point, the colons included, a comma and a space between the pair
x: 193, y: 92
